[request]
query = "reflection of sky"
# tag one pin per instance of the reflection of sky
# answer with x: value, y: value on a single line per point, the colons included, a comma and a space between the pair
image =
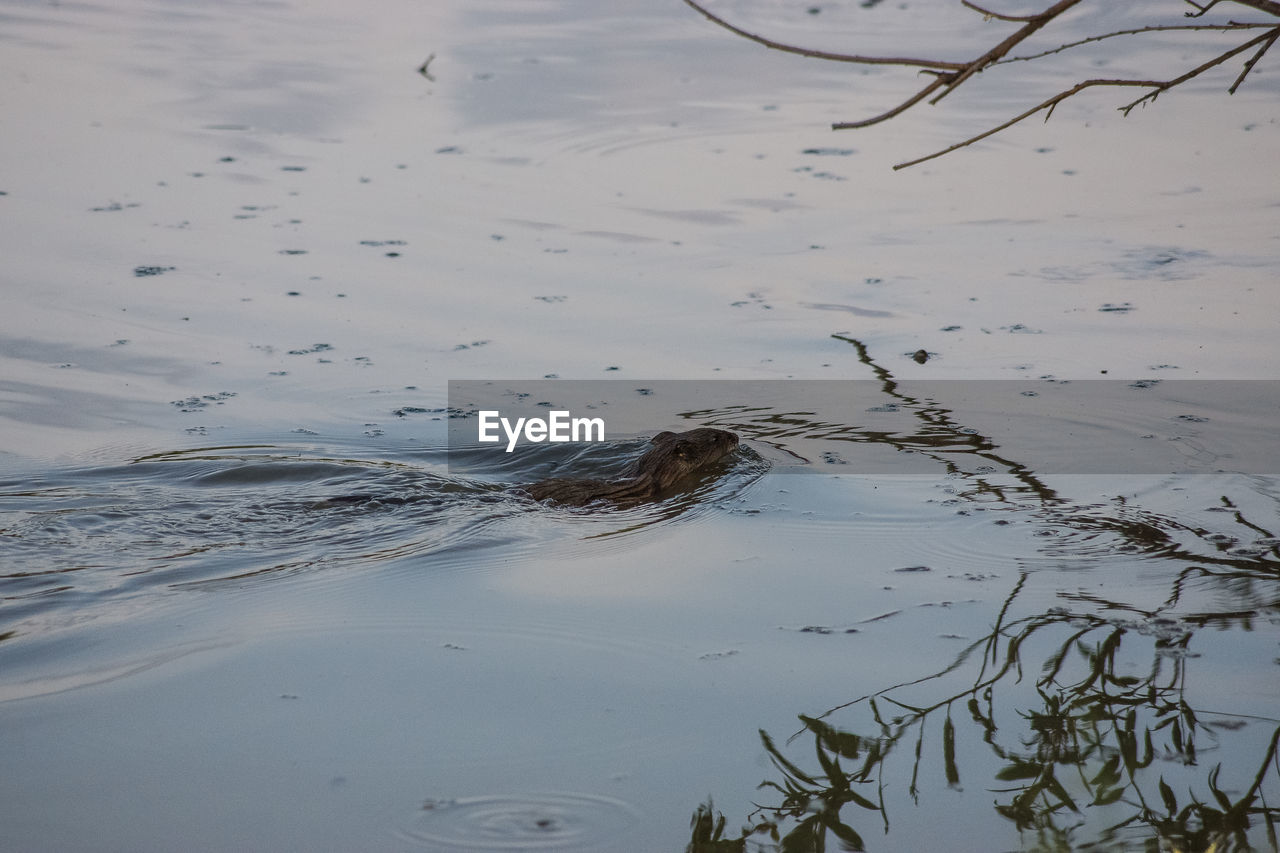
x: 601, y: 163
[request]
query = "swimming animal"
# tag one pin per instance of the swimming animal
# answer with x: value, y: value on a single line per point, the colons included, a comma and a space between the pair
x: 673, y: 458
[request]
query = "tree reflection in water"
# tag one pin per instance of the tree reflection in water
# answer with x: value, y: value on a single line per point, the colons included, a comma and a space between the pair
x: 1100, y: 750
x: 1096, y: 736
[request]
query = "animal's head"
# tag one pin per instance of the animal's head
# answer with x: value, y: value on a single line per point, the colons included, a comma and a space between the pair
x: 673, y: 456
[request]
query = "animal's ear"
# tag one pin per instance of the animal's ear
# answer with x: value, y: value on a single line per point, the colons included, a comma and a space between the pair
x: 662, y: 437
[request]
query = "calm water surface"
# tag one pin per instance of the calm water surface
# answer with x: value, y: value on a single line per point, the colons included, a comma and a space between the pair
x: 246, y: 246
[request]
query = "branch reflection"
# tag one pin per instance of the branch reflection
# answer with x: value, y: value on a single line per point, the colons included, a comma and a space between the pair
x: 1080, y: 719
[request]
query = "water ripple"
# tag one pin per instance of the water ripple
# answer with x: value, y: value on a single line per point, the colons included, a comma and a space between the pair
x: 250, y: 514
x: 539, y: 821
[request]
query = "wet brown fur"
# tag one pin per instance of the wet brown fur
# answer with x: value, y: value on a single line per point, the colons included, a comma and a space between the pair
x: 671, y: 458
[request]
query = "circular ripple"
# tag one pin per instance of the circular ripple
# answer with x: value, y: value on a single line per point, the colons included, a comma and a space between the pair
x: 549, y: 821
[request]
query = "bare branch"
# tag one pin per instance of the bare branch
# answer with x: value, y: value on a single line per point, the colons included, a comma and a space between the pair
x: 991, y: 56
x: 996, y: 15
x: 1200, y: 9
x: 1046, y: 105
x: 949, y: 76
x: 900, y: 108
x: 1271, y: 7
x: 821, y: 54
x: 1253, y: 60
x: 1269, y: 38
x: 1157, y: 86
x: 1233, y: 25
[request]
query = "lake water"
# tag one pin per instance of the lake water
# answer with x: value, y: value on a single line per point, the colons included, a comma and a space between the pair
x: 247, y: 246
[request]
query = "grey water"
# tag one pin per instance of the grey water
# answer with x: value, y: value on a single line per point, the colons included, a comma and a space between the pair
x: 247, y: 246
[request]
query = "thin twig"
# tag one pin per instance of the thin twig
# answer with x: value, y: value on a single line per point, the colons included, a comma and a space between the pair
x: 1253, y: 60
x: 1200, y: 10
x: 948, y: 83
x: 900, y: 108
x: 1157, y: 86
x: 1200, y: 69
x: 949, y: 76
x: 1046, y: 105
x: 1232, y: 25
x: 1271, y: 7
x: 996, y: 15
x: 1007, y: 45
x: 822, y: 54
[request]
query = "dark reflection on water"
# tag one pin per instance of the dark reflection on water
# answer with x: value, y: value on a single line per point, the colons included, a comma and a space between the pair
x: 1084, y: 720
x: 1102, y: 749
